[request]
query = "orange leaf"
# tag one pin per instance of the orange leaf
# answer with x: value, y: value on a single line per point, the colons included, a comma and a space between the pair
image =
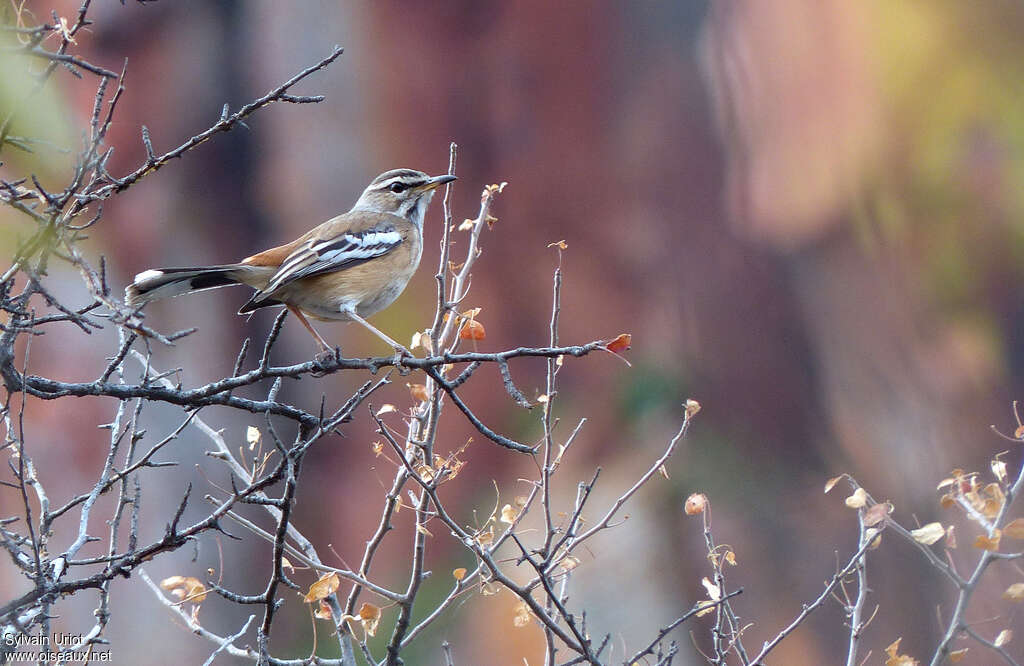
x: 419, y: 392
x: 323, y: 588
x: 473, y: 330
x: 620, y: 344
x: 695, y: 504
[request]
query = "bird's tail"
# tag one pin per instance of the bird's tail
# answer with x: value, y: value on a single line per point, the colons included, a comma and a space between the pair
x: 167, y: 282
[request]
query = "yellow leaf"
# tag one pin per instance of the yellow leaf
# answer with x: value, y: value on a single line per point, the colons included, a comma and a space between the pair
x: 522, y: 614
x: 508, y: 514
x: 1014, y: 593
x: 874, y: 537
x: 832, y: 482
x: 459, y: 574
x: 988, y: 543
x: 569, y: 563
x: 858, y: 499
x: 705, y: 608
x: 928, y: 534
x: 956, y: 655
x: 485, y: 538
x: 185, y: 588
x: 322, y: 588
x: 896, y: 659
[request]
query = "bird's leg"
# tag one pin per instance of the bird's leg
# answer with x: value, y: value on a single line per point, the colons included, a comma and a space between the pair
x: 399, y: 349
x: 325, y: 349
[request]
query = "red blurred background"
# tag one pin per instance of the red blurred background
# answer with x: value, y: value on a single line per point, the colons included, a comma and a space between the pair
x: 803, y: 211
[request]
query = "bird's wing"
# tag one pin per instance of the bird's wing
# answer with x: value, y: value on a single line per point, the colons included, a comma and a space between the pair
x: 316, y: 255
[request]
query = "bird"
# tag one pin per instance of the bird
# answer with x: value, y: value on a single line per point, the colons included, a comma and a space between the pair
x: 345, y: 269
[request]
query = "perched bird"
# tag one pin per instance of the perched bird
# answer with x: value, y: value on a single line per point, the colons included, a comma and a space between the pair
x: 348, y: 268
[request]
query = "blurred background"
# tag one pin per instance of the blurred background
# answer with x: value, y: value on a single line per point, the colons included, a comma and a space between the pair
x: 806, y: 212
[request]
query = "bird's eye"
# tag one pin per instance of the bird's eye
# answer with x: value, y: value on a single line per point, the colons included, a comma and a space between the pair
x: 397, y: 187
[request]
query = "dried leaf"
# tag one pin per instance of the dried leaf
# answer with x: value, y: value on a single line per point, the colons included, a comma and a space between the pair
x: 369, y: 616
x: 877, y: 514
x: 957, y: 655
x: 988, y: 543
x: 419, y: 392
x: 620, y: 343
x: 695, y: 504
x: 858, y: 499
x: 691, y: 407
x: 323, y: 611
x: 999, y: 469
x: 423, y: 530
x: 252, y: 435
x: 1019, y: 432
x: 377, y: 447
x: 560, y: 244
x: 459, y: 574
x: 896, y: 659
x: 508, y: 514
x: 951, y: 537
x: 322, y: 588
x: 705, y: 608
x: 185, y: 588
x: 874, y: 537
x: 286, y: 564
x: 466, y: 225
x: 1014, y: 593
x: 473, y: 330
x: 1015, y: 529
x: 730, y: 557
x: 832, y: 482
x: 664, y: 472
x: 1004, y: 637
x: 713, y: 591
x: 489, y: 589
x: 386, y: 408
x: 568, y: 563
x: 929, y: 533
x: 485, y: 539
x: 522, y: 614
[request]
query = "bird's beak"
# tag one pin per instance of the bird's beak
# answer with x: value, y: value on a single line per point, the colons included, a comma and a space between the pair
x: 438, y: 181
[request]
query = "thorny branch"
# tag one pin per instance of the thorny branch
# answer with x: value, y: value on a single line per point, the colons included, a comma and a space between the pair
x: 271, y: 481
